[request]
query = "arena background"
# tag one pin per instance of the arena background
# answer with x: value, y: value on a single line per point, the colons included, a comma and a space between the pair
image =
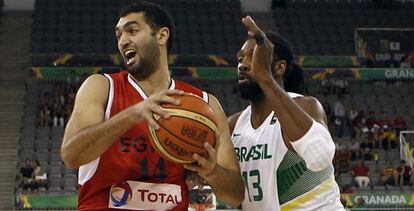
x: 362, y: 50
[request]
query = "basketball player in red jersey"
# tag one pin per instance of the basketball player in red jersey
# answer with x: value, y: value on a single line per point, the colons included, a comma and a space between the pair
x: 107, y: 135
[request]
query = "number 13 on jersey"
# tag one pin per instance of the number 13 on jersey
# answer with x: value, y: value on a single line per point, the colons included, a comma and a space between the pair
x: 253, y: 185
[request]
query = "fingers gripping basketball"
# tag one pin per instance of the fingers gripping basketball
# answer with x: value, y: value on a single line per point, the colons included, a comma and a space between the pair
x: 184, y: 133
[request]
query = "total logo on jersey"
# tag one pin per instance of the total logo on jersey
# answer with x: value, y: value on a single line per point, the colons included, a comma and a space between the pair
x: 121, y: 194
x: 255, y: 152
x: 135, y: 195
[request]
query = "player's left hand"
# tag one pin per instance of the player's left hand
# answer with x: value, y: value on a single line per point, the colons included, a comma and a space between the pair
x: 204, y: 166
x: 193, y: 179
x: 263, y: 52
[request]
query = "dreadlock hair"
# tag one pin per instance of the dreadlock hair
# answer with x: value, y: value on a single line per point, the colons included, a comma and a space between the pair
x: 155, y: 15
x: 293, y: 78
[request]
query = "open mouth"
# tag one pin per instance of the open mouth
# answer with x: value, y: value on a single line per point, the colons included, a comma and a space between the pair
x: 130, y: 56
x: 243, y: 78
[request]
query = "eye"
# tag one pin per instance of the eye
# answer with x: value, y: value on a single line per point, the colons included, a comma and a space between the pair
x: 118, y: 36
x: 134, y: 31
x: 240, y: 59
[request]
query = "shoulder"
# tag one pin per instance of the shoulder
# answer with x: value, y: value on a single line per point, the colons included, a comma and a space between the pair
x: 97, y: 78
x: 183, y: 85
x: 192, y: 89
x: 313, y: 107
x: 217, y: 109
x: 117, y: 78
x: 306, y: 100
x: 95, y: 88
x: 232, y: 120
x: 96, y: 81
x: 213, y: 102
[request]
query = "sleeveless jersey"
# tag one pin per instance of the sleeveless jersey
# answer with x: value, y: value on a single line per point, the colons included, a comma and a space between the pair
x: 275, y: 177
x: 131, y: 157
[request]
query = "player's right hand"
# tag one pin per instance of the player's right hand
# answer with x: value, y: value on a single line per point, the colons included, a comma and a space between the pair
x: 145, y: 110
x: 263, y: 52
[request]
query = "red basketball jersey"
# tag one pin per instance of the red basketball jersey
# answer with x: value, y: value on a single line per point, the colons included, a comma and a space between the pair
x: 131, y: 157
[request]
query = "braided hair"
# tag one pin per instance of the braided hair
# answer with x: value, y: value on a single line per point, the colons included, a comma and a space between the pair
x: 293, y: 78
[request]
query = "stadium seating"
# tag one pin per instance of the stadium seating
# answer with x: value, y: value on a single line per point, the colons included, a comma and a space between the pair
x: 87, y: 27
x: 43, y: 143
x: 210, y: 26
x: 375, y: 96
x: 327, y: 27
x: 1, y: 9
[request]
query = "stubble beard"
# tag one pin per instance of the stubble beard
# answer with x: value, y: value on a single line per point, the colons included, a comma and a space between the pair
x: 147, y: 63
x: 251, y: 91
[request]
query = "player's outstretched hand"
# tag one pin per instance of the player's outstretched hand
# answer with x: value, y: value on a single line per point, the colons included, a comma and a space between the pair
x: 263, y: 52
x: 145, y: 110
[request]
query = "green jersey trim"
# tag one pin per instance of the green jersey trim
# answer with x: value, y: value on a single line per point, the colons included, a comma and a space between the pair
x: 294, y: 179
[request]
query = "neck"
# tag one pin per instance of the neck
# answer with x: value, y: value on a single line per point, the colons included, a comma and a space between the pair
x: 279, y: 81
x: 159, y: 80
x: 260, y: 111
x: 262, y: 108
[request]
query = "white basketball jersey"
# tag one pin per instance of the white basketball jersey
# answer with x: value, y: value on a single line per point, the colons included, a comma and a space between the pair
x: 275, y: 177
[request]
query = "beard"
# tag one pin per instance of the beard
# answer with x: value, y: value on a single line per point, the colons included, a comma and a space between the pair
x: 251, y: 91
x: 148, y: 63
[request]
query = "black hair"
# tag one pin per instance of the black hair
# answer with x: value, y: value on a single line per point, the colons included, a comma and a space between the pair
x: 293, y: 78
x: 155, y: 15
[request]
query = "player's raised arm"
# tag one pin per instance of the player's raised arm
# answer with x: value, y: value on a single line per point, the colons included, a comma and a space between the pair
x: 221, y: 169
x: 87, y: 135
x: 302, y: 121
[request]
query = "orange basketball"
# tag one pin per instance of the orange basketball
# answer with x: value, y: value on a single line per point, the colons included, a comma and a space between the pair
x: 190, y: 125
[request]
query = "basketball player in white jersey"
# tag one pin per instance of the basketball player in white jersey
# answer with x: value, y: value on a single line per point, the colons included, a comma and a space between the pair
x: 282, y: 142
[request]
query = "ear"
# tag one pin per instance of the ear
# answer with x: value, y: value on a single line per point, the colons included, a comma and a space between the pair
x: 279, y: 68
x: 162, y: 36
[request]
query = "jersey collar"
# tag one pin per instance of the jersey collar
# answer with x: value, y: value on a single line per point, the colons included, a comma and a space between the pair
x: 141, y: 91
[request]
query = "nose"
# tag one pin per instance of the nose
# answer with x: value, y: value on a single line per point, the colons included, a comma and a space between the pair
x: 244, y: 66
x: 123, y: 41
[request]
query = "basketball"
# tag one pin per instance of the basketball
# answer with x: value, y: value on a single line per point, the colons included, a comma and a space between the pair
x: 190, y: 125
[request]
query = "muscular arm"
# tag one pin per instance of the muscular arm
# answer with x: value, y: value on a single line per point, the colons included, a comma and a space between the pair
x: 226, y: 179
x: 304, y: 127
x: 87, y: 135
x: 303, y: 121
x: 294, y: 120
